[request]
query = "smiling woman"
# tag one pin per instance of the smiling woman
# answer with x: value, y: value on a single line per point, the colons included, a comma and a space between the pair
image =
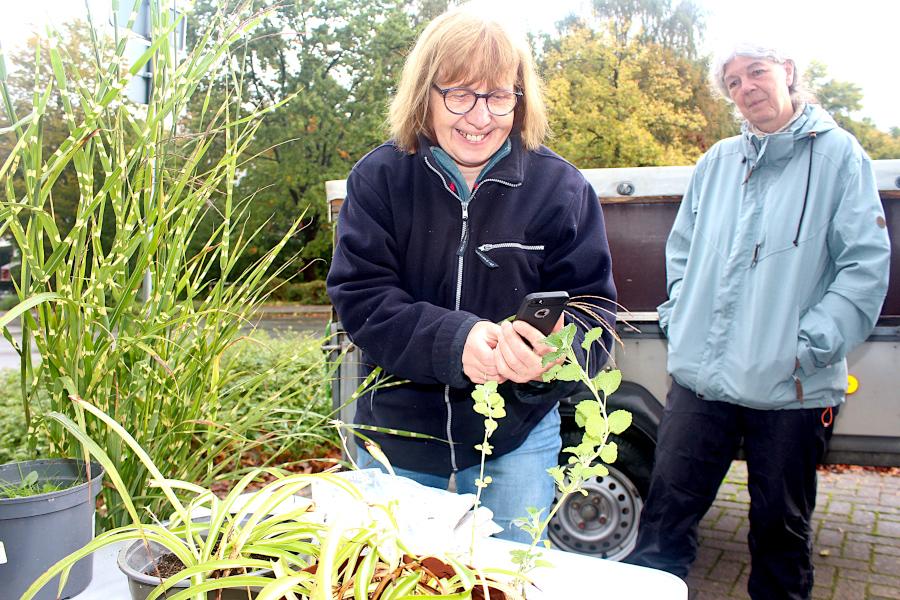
x: 466, y: 175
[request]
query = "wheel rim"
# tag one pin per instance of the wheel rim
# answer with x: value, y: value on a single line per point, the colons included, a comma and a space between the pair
x: 604, y: 523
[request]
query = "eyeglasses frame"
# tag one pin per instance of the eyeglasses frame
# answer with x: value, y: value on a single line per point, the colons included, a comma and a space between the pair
x: 444, y: 91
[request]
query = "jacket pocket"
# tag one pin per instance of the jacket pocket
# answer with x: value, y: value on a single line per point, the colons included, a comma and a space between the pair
x: 485, y: 251
x: 762, y: 356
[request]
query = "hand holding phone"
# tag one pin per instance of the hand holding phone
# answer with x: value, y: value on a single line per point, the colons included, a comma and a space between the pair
x: 541, y: 310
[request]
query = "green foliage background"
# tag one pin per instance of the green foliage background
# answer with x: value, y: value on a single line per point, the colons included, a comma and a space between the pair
x: 626, y: 87
x: 298, y: 373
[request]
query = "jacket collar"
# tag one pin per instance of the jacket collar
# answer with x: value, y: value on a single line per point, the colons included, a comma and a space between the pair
x: 777, y: 148
x: 509, y: 169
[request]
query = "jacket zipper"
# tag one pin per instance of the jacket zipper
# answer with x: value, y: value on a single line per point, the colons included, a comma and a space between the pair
x: 482, y: 250
x: 464, y: 238
x: 460, y: 260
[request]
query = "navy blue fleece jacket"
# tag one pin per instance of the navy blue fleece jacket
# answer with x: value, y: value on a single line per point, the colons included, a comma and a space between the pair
x: 416, y: 265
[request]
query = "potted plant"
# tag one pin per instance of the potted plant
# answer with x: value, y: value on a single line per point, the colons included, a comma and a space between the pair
x: 46, y: 512
x: 134, y: 302
x: 362, y: 557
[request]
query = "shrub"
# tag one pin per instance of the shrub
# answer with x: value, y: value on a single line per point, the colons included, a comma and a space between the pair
x: 295, y: 382
x: 13, y: 434
x: 307, y: 292
x: 7, y: 301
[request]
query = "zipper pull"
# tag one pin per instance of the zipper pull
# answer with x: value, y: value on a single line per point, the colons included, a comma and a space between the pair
x: 755, y: 256
x: 749, y: 173
x: 484, y: 258
x: 464, y: 241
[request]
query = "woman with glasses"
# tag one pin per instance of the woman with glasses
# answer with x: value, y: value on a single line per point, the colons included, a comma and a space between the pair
x: 444, y: 230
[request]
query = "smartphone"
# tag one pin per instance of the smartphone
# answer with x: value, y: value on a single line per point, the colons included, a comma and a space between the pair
x: 541, y: 310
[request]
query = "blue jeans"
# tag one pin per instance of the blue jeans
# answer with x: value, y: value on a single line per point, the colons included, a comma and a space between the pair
x: 520, y: 478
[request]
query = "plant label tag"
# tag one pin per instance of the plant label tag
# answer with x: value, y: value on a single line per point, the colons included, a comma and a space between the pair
x: 2, y: 554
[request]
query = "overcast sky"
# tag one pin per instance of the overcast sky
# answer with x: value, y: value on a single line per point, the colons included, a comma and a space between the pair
x: 856, y: 40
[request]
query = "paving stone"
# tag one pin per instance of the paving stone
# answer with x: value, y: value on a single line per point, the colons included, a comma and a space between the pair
x: 883, y: 563
x: 863, y: 517
x: 728, y: 523
x: 836, y: 560
x: 707, y: 556
x: 829, y: 537
x: 726, y: 571
x: 876, y: 592
x: 728, y: 546
x: 888, y: 549
x: 722, y: 590
x: 889, y: 528
x: 857, y: 551
x: 850, y: 590
x: 870, y: 577
x: 825, y: 575
x: 839, y: 507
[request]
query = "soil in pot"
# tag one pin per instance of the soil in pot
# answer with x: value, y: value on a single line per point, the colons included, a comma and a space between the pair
x: 144, y: 564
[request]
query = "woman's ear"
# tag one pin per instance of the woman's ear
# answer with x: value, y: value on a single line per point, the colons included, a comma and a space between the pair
x: 790, y: 70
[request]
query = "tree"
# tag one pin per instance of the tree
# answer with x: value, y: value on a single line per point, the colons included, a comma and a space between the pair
x: 843, y: 98
x: 27, y: 74
x: 336, y: 62
x: 624, y: 89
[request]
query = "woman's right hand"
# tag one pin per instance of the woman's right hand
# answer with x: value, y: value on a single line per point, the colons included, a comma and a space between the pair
x: 478, y: 360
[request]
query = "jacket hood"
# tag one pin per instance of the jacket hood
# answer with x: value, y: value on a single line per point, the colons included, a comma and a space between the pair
x: 813, y: 121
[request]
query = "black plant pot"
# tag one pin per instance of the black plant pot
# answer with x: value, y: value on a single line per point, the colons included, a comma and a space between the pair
x: 37, y: 531
x: 137, y: 559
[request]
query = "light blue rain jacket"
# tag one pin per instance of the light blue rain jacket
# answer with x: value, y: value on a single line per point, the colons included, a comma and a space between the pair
x: 779, y: 252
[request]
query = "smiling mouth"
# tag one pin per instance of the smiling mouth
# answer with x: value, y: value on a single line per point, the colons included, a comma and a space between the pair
x: 472, y: 137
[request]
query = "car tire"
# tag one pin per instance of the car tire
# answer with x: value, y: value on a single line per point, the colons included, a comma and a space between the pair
x: 605, y: 522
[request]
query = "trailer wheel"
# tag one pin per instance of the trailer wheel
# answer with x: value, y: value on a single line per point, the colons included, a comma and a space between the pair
x: 605, y: 522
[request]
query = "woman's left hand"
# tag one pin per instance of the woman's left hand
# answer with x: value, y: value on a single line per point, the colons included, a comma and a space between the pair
x: 516, y: 360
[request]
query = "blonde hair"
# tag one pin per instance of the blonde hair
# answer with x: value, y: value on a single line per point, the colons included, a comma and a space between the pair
x: 460, y: 46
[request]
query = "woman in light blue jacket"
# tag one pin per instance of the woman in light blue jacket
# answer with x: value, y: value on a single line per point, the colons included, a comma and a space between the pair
x: 777, y: 266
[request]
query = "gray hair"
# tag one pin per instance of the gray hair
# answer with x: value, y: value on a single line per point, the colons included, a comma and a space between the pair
x: 717, y: 72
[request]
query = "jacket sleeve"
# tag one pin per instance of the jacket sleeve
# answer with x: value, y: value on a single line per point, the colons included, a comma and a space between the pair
x: 406, y: 337
x: 678, y: 246
x: 859, y: 246
x: 580, y: 263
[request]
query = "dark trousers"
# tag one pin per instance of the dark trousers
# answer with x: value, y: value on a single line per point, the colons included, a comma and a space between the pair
x: 697, y: 440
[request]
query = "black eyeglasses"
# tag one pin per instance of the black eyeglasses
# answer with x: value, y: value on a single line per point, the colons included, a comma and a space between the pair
x: 460, y: 100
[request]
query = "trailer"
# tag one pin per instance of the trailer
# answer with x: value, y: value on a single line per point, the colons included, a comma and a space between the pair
x: 639, y: 205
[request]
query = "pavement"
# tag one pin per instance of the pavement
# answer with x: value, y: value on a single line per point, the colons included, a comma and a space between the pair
x: 856, y: 547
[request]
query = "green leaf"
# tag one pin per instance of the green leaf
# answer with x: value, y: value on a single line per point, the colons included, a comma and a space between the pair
x: 30, y: 479
x: 619, y: 421
x: 592, y: 336
x: 364, y: 576
x: 609, y: 452
x: 553, y: 356
x: 557, y: 473
x: 596, y: 470
x: 608, y: 381
x: 569, y: 372
x: 596, y: 426
x: 404, y: 586
x: 25, y: 305
x: 585, y: 409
